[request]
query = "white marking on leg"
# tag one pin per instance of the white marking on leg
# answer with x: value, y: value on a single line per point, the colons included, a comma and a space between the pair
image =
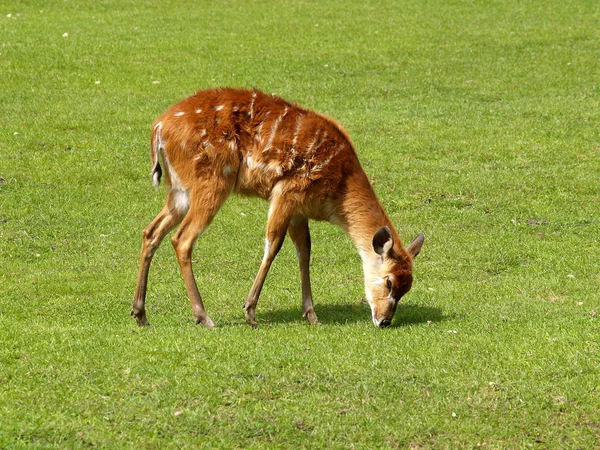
x: 268, y: 245
x: 179, y: 114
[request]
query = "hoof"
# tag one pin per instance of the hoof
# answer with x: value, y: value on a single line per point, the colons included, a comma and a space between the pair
x: 311, y: 317
x: 251, y: 318
x: 140, y: 317
x: 206, y: 321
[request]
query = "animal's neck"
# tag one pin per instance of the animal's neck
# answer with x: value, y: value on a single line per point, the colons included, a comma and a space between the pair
x: 361, y: 215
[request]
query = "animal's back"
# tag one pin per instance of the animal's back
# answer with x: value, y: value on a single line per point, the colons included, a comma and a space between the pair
x: 262, y: 140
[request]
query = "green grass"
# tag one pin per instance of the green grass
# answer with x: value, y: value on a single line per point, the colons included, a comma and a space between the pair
x: 477, y: 123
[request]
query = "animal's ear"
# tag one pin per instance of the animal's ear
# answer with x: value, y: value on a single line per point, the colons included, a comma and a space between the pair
x: 383, y: 241
x: 415, y: 247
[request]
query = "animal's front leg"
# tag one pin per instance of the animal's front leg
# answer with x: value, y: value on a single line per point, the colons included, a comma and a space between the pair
x: 277, y: 224
x: 298, y: 230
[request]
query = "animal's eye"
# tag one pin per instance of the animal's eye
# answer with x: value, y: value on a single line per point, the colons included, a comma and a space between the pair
x: 388, y: 283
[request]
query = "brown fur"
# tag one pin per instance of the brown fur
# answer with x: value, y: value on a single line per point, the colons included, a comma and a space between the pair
x: 220, y: 141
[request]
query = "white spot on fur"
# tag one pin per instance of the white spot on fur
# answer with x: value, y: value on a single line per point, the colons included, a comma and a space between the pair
x: 322, y: 141
x: 274, y: 130
x: 219, y: 108
x: 198, y: 111
x: 328, y: 160
x: 296, y: 132
x: 313, y: 142
x: 274, y: 167
x: 179, y: 114
x: 227, y: 170
x: 252, y: 105
x: 235, y: 108
x: 258, y: 165
x: 181, y: 200
x: 158, y: 125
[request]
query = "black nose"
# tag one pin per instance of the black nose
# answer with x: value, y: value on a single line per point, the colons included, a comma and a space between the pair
x: 385, y: 323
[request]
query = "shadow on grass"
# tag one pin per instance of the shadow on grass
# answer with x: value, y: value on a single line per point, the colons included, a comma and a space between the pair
x: 341, y: 314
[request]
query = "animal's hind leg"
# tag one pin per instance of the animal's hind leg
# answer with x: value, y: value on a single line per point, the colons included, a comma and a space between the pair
x: 298, y: 231
x: 205, y: 201
x: 152, y: 236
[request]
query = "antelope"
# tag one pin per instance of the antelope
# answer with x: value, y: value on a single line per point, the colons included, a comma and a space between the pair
x: 220, y: 141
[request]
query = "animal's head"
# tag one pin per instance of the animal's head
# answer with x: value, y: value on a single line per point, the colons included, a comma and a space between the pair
x: 389, y: 275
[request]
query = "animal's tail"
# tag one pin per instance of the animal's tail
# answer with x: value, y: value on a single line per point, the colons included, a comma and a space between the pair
x: 155, y: 144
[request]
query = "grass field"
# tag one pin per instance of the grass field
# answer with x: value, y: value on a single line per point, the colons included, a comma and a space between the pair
x: 478, y: 123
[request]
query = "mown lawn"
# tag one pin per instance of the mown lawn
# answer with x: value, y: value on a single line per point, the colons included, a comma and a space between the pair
x: 477, y: 123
